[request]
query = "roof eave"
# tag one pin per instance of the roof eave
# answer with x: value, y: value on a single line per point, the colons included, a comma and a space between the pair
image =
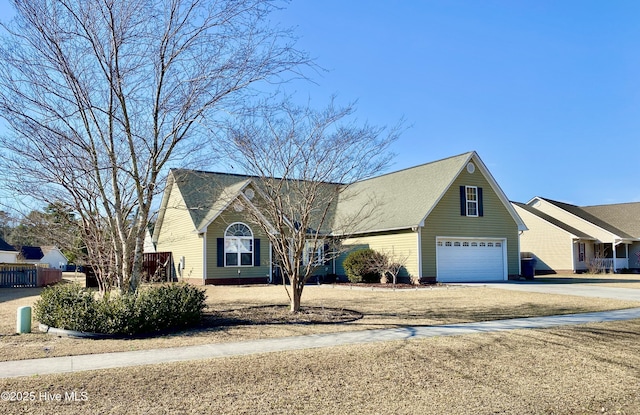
x: 399, y: 228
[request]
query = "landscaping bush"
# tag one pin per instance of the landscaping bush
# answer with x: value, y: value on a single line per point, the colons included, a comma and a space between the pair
x: 66, y: 306
x: 357, y: 265
x: 150, y: 310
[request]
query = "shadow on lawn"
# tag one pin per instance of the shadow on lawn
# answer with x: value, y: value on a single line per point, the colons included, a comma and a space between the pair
x: 593, y: 340
x: 451, y: 315
x: 10, y: 294
x: 280, y: 315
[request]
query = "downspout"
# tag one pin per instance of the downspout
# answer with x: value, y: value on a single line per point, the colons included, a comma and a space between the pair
x: 419, y: 254
x: 519, y: 257
x: 270, y: 263
x: 333, y: 261
x: 204, y: 257
x: 418, y: 231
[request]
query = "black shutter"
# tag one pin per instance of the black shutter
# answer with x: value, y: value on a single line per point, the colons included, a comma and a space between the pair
x: 480, y: 209
x: 463, y: 201
x: 221, y: 252
x: 256, y: 252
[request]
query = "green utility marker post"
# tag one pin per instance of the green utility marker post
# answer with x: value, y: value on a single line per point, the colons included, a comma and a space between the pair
x: 23, y: 321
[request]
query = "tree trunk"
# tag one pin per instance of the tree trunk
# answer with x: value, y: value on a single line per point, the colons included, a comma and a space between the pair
x: 296, y: 296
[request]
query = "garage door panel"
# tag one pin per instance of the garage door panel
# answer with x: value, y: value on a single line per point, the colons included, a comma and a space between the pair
x: 460, y: 259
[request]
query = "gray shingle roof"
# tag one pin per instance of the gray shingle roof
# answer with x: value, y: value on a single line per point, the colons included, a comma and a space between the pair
x: 206, y: 193
x: 553, y: 221
x: 404, y: 197
x: 589, y: 217
x: 623, y: 216
x: 401, y: 199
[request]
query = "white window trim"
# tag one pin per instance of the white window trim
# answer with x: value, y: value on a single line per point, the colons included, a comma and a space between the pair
x: 318, y: 255
x: 473, y: 202
x: 239, y: 239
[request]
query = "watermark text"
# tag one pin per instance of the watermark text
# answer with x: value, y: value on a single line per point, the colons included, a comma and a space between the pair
x: 44, y: 396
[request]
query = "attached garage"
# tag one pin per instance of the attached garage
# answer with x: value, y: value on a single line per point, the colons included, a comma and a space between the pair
x: 471, y: 259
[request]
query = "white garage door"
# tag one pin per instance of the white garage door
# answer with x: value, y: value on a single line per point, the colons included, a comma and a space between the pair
x: 470, y: 259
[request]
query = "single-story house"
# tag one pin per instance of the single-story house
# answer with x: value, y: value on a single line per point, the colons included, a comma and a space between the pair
x: 8, y: 254
x: 449, y: 218
x: 568, y: 238
x: 50, y: 256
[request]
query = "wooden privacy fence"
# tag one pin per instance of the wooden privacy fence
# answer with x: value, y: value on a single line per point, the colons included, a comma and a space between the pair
x: 27, y: 275
x: 158, y: 267
x: 48, y: 276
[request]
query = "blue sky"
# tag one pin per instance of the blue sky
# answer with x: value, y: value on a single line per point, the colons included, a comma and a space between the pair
x: 547, y: 92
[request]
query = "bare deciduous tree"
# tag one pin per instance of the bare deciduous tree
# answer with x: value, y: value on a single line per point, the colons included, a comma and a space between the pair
x: 304, y: 162
x: 389, y: 264
x: 101, y: 95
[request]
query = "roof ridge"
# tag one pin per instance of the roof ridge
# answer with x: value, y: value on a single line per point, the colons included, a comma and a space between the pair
x: 557, y: 202
x: 359, y: 181
x: 611, y: 204
x: 415, y: 167
x: 245, y: 176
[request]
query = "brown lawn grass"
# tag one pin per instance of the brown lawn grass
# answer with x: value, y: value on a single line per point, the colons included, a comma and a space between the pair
x: 233, y: 316
x: 587, y: 369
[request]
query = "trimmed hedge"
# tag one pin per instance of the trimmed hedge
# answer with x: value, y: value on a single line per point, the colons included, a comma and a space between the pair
x: 357, y: 265
x: 167, y: 307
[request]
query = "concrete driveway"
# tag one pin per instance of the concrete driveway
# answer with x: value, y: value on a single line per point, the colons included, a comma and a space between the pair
x: 579, y: 289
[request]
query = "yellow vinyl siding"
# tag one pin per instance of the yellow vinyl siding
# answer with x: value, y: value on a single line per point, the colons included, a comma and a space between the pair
x: 551, y: 245
x: 179, y: 236
x: 217, y: 229
x: 402, y: 243
x: 445, y: 220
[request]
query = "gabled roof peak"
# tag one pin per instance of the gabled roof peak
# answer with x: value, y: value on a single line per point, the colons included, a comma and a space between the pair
x: 468, y: 154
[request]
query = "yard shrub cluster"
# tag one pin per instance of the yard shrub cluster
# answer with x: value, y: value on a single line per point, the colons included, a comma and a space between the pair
x: 154, y: 309
x: 358, y: 266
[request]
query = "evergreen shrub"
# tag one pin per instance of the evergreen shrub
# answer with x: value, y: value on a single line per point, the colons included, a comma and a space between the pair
x: 150, y: 310
x: 358, y: 266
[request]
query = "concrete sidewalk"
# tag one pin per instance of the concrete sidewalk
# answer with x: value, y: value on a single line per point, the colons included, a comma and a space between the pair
x: 209, y: 351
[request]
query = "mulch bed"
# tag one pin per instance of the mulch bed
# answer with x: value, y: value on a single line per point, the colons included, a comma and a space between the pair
x: 388, y: 286
x: 280, y: 314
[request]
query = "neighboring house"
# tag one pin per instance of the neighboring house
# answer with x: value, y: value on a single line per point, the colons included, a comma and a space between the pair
x: 8, y: 254
x: 449, y: 218
x: 149, y: 246
x: 625, y: 216
x: 568, y: 238
x: 50, y: 256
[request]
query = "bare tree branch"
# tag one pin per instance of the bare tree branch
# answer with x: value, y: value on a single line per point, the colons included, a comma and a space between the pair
x: 102, y: 95
x: 303, y: 161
